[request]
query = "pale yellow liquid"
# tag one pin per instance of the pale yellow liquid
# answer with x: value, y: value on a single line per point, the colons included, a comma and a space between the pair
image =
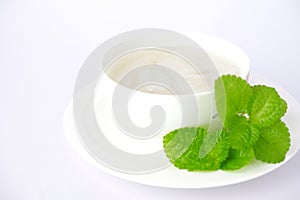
x: 198, y: 79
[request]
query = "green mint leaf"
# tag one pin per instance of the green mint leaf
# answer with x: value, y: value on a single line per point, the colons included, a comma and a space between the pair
x: 179, y: 141
x: 191, y: 157
x: 237, y: 159
x: 239, y: 133
x: 266, y: 106
x: 209, y: 160
x: 273, y: 143
x: 254, y: 135
x: 209, y: 141
x: 232, y: 95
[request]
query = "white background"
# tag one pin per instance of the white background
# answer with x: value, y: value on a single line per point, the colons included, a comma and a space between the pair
x: 42, y: 47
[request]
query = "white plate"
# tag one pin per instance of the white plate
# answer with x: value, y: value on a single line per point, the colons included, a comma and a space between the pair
x: 172, y: 177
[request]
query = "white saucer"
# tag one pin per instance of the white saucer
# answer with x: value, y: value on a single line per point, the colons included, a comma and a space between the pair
x: 172, y: 177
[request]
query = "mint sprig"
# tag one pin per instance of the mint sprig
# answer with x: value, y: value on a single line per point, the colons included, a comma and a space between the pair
x: 252, y: 128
